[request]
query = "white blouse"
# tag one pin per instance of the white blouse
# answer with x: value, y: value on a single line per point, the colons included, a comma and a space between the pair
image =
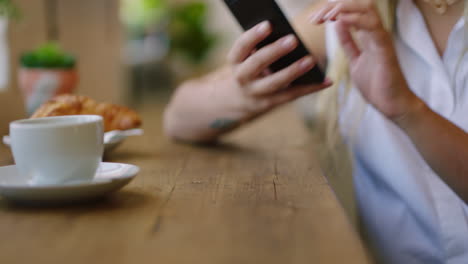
x: 410, y: 214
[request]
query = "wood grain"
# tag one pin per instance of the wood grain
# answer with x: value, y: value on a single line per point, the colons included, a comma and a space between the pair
x: 258, y: 197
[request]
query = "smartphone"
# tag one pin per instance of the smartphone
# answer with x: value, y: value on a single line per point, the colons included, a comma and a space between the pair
x: 251, y: 12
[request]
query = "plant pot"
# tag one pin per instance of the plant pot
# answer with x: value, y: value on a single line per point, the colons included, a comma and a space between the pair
x: 39, y: 85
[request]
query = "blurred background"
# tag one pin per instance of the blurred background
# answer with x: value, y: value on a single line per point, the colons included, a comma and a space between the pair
x: 125, y: 50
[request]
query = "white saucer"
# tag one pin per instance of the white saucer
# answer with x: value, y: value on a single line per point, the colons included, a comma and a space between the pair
x: 109, y: 177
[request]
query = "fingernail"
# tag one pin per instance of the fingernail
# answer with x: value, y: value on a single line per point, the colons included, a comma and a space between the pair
x: 289, y: 41
x: 318, y: 19
x: 327, y: 81
x: 306, y: 63
x: 263, y: 27
x: 313, y: 18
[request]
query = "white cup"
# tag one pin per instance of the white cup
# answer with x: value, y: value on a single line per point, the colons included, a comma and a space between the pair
x: 54, y: 150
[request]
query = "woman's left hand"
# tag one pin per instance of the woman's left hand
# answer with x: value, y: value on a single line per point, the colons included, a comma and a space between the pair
x: 373, y: 63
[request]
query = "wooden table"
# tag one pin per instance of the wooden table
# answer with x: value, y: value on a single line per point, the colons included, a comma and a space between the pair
x: 259, y: 197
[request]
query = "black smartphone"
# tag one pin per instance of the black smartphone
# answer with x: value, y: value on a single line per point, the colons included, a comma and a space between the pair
x: 251, y: 12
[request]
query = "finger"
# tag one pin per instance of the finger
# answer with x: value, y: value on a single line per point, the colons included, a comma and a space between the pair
x: 360, y: 21
x: 346, y: 7
x: 251, y: 68
x: 350, y: 47
x: 370, y: 24
x: 265, y: 73
x: 332, y: 9
x: 246, y: 43
x: 282, y: 78
x: 292, y: 94
x: 317, y: 17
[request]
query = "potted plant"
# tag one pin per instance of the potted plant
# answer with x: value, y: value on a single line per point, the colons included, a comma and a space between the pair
x: 44, y: 73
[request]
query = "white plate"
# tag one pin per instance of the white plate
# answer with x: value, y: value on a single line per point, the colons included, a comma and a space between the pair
x: 112, y: 139
x: 109, y: 177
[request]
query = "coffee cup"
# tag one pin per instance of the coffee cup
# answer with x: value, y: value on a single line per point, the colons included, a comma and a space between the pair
x: 56, y: 150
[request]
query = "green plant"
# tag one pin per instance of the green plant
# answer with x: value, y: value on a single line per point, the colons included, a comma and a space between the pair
x: 188, y: 33
x: 48, y: 56
x: 8, y: 9
x: 137, y: 14
x: 185, y: 24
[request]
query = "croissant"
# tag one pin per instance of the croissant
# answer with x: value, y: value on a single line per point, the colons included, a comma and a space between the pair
x: 115, y: 117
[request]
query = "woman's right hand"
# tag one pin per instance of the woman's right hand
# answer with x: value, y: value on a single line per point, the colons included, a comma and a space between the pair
x: 260, y: 89
x: 205, y: 108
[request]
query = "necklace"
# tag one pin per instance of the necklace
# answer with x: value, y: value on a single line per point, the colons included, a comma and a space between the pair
x: 441, y: 5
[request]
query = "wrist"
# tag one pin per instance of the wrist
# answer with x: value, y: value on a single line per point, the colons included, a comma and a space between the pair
x: 414, y: 111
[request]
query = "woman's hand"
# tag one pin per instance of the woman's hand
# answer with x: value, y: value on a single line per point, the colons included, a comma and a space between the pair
x: 205, y: 108
x: 375, y: 71
x: 259, y: 89
x: 374, y: 66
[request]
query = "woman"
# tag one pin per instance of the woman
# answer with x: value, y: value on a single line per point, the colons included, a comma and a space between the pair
x: 403, y: 116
